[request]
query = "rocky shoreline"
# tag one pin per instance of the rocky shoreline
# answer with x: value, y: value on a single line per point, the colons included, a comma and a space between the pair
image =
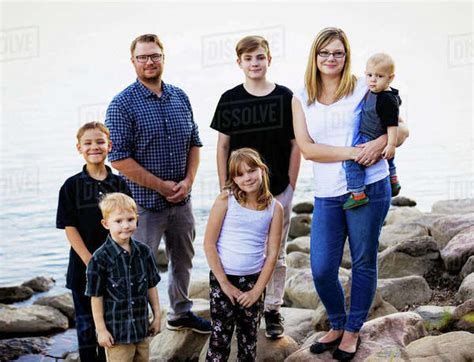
x: 423, y: 309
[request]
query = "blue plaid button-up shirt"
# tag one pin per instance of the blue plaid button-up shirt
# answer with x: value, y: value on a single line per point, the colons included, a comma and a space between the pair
x: 157, y: 132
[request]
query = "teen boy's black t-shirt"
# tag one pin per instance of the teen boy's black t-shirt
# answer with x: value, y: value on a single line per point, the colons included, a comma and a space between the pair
x: 264, y: 123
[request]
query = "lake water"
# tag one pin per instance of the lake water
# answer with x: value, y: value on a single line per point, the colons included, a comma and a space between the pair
x: 61, y: 63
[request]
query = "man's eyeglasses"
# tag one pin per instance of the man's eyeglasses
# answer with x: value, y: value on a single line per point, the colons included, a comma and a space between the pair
x: 155, y: 58
x: 327, y: 54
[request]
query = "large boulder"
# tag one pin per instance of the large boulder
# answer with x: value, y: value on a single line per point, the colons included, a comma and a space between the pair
x: 303, y: 208
x: 40, y: 284
x: 62, y: 302
x: 453, y: 346
x: 458, y: 250
x: 15, y: 294
x: 416, y: 256
x: 463, y: 316
x: 199, y: 289
x: 445, y: 228
x: 468, y: 267
x: 458, y: 206
x: 301, y: 244
x: 436, y: 317
x: 297, y: 322
x: 300, y: 225
x: 32, y: 319
x: 466, y: 290
x: 400, y: 215
x: 298, y: 260
x: 182, y: 345
x: 404, y: 291
x: 393, y: 234
x: 11, y: 349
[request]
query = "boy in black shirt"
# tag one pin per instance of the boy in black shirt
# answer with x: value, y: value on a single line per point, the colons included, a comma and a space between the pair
x: 258, y: 114
x: 379, y: 116
x: 78, y: 213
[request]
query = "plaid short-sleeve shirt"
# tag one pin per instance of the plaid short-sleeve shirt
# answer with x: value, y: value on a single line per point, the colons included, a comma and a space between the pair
x: 123, y: 280
x: 157, y: 132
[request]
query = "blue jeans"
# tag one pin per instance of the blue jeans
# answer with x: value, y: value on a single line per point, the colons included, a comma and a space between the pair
x: 89, y: 350
x: 330, y: 227
x: 355, y: 172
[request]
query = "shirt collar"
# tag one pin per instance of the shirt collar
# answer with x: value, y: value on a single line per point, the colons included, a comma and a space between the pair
x: 115, y: 249
x: 148, y: 93
x: 85, y: 175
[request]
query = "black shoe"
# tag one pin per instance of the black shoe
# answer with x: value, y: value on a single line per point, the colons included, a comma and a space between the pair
x: 273, y: 325
x: 191, y: 321
x: 341, y: 355
x: 320, y: 347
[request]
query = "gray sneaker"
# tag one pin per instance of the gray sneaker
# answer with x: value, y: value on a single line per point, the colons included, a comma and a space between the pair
x: 190, y: 321
x: 274, y: 325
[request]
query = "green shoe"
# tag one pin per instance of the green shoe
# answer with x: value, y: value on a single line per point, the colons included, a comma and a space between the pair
x: 351, y: 202
x: 395, y: 188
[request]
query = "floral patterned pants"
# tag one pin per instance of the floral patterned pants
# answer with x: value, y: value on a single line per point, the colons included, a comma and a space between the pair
x: 225, y: 316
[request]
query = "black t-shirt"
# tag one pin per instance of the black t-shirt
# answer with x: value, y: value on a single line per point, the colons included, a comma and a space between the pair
x: 388, y: 103
x: 263, y: 123
x: 78, y: 206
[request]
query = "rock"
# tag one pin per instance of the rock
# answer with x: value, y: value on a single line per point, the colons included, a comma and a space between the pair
x: 400, y: 215
x: 15, y: 294
x: 458, y: 250
x: 267, y: 349
x: 303, y: 208
x: 463, y: 316
x: 40, y: 284
x: 459, y: 206
x: 396, y: 233
x: 448, y: 226
x: 404, y: 291
x: 346, y: 262
x: 388, y: 353
x: 63, y: 303
x: 300, y: 225
x: 453, y: 346
x: 199, y: 289
x: 403, y: 201
x: 177, y: 345
x: 415, y: 256
x: 72, y: 357
x: 31, y: 319
x: 468, y: 267
x: 436, y: 317
x: 301, y: 244
x: 466, y: 290
x: 161, y: 257
x: 298, y: 260
x: 11, y: 349
x: 297, y: 322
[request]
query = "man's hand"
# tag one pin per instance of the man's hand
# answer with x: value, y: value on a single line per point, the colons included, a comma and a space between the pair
x: 180, y: 191
x: 166, y: 189
x: 105, y: 339
x: 155, y: 325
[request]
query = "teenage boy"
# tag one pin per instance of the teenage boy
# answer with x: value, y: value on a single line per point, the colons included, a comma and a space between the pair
x: 258, y: 114
x: 121, y: 281
x: 79, y: 215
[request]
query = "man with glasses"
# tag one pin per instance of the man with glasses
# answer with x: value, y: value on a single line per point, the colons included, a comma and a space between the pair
x: 155, y: 146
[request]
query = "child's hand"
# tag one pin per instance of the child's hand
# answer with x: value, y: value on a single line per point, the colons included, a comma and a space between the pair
x: 249, y: 298
x: 232, y: 292
x: 388, y: 152
x: 105, y: 339
x: 155, y: 326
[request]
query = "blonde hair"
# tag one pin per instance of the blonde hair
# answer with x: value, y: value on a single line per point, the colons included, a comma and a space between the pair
x: 116, y: 201
x: 92, y: 125
x: 251, y: 43
x: 252, y: 159
x: 146, y: 38
x: 384, y: 60
x: 312, y: 78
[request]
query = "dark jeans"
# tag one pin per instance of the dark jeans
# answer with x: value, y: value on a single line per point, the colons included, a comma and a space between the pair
x: 330, y: 227
x: 355, y: 172
x: 89, y: 350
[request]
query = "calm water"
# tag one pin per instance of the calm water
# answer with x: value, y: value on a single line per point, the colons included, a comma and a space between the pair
x: 62, y: 63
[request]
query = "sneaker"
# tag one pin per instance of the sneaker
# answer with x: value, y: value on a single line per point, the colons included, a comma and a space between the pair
x: 351, y: 202
x: 395, y: 188
x: 274, y: 325
x: 191, y: 321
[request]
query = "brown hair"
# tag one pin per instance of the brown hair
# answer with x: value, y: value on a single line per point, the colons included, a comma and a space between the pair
x: 146, y: 38
x: 382, y: 59
x: 116, y: 201
x: 251, y: 43
x: 92, y: 125
x: 253, y: 160
x: 312, y: 78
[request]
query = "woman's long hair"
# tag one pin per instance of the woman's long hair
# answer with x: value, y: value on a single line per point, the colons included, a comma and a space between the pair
x: 252, y: 159
x: 312, y: 78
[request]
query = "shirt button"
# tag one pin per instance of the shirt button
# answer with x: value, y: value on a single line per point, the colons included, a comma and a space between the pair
x: 169, y: 137
x: 131, y: 283
x: 171, y: 153
x: 133, y: 302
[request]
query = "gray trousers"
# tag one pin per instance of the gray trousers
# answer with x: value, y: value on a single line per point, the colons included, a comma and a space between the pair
x: 176, y: 225
x: 276, y: 285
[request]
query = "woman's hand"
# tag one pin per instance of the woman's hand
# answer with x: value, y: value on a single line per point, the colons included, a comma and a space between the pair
x: 371, y: 151
x: 249, y: 298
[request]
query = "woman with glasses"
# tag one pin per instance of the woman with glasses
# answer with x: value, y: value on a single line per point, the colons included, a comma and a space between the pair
x: 325, y: 116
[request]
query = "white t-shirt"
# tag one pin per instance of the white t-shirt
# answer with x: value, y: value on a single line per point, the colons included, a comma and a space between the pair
x: 336, y: 125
